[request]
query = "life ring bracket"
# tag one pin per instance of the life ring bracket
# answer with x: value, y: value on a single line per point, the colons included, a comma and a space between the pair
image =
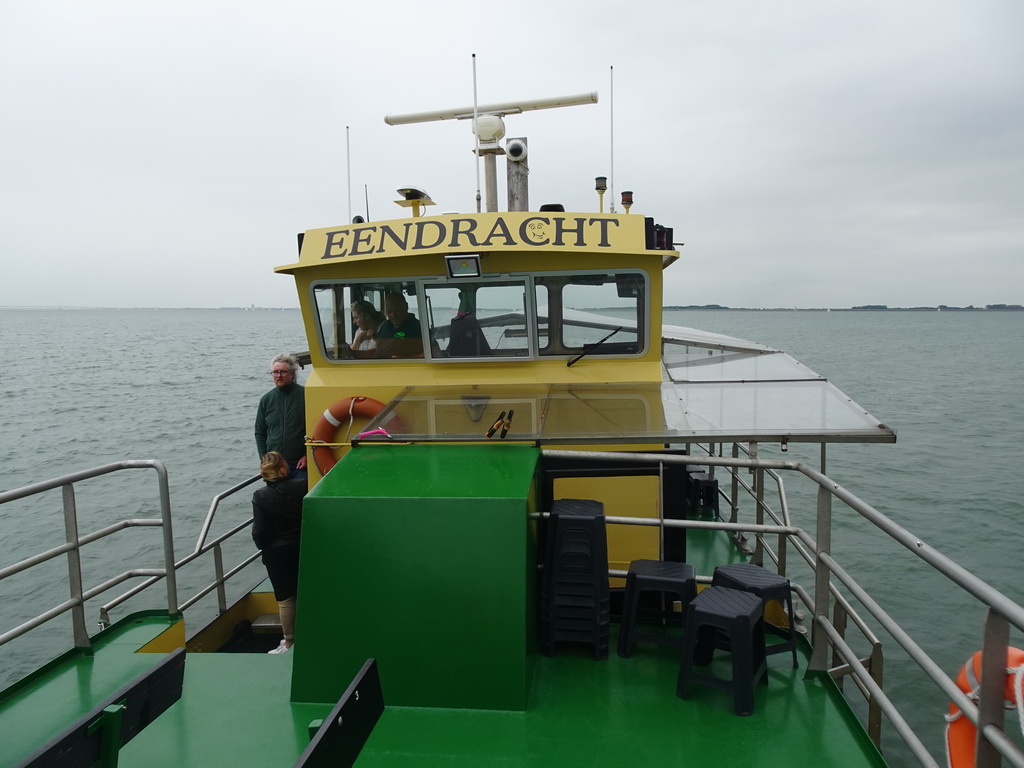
x: 324, y: 437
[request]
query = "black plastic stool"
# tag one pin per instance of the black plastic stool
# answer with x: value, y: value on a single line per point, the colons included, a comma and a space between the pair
x: 768, y: 586
x: 654, y: 576
x: 739, y: 616
x: 703, y: 492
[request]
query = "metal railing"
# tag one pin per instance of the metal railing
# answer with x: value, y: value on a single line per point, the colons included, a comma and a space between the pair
x: 757, y: 492
x: 830, y: 579
x: 74, y: 542
x: 831, y: 582
x: 216, y: 546
x: 843, y: 612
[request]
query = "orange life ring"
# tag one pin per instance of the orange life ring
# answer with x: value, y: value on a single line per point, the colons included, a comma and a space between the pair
x: 339, y: 413
x: 961, y: 733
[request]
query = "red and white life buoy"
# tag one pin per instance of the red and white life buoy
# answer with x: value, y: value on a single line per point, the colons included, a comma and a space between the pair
x: 334, y: 417
x: 961, y: 733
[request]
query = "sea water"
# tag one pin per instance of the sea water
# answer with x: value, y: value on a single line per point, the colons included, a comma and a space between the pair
x: 82, y: 388
x: 949, y: 384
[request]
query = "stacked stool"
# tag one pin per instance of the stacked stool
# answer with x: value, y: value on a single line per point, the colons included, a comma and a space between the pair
x: 677, y: 579
x: 574, y: 585
x: 720, y: 617
x: 703, y: 490
x: 767, y: 586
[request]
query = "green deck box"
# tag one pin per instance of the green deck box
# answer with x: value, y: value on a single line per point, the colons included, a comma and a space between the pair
x: 423, y: 557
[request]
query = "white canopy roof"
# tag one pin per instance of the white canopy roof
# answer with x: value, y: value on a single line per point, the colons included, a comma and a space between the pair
x: 720, y: 387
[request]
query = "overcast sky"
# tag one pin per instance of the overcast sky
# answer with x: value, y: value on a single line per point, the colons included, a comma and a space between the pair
x: 809, y: 153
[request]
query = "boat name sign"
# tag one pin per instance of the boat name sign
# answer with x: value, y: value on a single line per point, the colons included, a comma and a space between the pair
x: 480, y: 232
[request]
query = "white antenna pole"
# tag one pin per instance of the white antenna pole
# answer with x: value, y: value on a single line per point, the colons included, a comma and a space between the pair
x: 611, y: 122
x: 366, y: 198
x: 476, y: 138
x: 348, y: 175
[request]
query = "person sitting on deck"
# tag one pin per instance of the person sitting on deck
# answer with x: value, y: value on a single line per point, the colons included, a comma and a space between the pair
x: 276, y: 523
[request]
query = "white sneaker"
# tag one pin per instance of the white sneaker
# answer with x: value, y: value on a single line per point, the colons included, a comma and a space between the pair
x: 282, y: 648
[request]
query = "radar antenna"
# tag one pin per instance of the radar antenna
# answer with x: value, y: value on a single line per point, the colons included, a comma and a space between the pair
x: 488, y: 127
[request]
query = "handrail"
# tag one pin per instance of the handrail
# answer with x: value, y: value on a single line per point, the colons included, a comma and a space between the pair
x: 85, y: 474
x: 830, y: 578
x: 219, y: 577
x: 785, y: 520
x: 76, y: 541
x: 993, y: 742
x: 49, y: 554
x: 76, y: 604
x: 949, y: 568
x: 208, y: 522
x: 779, y: 484
x: 887, y: 706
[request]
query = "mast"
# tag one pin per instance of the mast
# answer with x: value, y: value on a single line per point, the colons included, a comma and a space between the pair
x: 488, y: 128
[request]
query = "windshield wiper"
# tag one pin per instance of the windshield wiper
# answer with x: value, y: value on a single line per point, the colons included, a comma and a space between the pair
x: 592, y: 347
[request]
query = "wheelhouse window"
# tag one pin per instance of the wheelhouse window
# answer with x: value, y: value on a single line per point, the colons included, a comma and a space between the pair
x: 369, y: 320
x: 517, y: 316
x: 478, y: 319
x: 603, y: 314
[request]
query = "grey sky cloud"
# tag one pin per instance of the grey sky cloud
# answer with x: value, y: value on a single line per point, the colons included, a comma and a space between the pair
x: 810, y: 154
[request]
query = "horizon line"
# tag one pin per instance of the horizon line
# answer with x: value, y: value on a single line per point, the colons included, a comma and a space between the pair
x: 671, y: 307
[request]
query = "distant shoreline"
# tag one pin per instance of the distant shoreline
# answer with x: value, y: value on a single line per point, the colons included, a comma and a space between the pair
x: 672, y: 307
x: 864, y: 308
x: 162, y: 309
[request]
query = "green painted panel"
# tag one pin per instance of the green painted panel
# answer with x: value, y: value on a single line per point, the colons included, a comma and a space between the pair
x: 423, y: 557
x: 417, y: 471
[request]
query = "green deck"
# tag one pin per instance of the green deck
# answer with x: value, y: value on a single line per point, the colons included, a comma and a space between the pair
x: 235, y: 711
x: 425, y: 558
x: 51, y: 699
x: 622, y: 712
